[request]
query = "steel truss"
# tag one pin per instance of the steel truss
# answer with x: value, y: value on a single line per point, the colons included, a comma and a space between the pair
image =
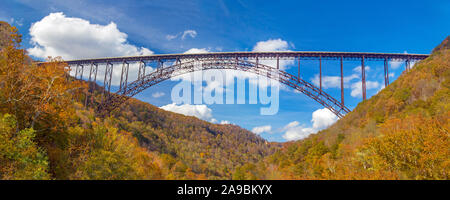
x: 180, y: 68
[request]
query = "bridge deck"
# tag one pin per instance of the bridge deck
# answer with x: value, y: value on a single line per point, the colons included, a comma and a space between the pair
x: 305, y: 55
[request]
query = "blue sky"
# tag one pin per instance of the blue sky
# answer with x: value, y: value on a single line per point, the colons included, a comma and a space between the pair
x: 159, y: 26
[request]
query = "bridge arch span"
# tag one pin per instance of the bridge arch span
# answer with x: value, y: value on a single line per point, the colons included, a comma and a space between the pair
x: 113, y: 101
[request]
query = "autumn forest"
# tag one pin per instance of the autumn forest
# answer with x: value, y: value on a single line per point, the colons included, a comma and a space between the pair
x: 46, y: 133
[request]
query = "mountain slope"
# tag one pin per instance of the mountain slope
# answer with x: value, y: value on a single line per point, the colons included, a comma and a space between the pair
x: 400, y: 133
x: 213, y: 150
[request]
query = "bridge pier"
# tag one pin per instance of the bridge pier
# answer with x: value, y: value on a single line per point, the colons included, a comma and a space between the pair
x: 407, y: 65
x: 107, y: 80
x: 386, y: 72
x: 278, y: 61
x: 141, y: 72
x: 320, y: 73
x: 298, y: 75
x: 363, y: 78
x: 342, y: 81
x: 92, y: 72
x: 77, y: 70
x: 124, y: 76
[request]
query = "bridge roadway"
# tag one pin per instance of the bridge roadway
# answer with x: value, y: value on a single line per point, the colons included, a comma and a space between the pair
x: 282, y: 55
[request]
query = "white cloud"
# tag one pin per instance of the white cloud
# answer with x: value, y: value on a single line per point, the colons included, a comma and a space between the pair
x: 357, y: 87
x: 191, y: 33
x: 171, y: 37
x: 395, y: 64
x: 381, y: 88
x: 225, y: 122
x: 358, y: 69
x: 196, y: 50
x: 158, y: 94
x: 184, y: 34
x: 273, y: 45
x: 76, y: 38
x: 321, y: 119
x: 199, y: 111
x: 262, y: 129
x: 333, y: 81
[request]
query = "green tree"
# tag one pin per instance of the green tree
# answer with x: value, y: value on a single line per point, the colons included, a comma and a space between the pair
x: 20, y: 156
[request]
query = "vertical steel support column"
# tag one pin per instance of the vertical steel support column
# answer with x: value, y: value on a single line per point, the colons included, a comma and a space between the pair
x: 342, y: 81
x: 278, y: 61
x: 124, y: 76
x: 108, y: 77
x: 82, y: 70
x: 89, y: 87
x: 76, y: 71
x: 298, y: 73
x: 320, y: 73
x: 386, y: 73
x: 141, y: 72
x: 407, y: 64
x: 257, y: 61
x: 363, y: 77
x: 90, y: 72
x: 94, y: 70
x: 160, y: 66
x: 68, y: 73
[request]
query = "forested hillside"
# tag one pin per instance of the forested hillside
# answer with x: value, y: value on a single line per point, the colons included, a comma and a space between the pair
x: 400, y: 133
x: 47, y: 133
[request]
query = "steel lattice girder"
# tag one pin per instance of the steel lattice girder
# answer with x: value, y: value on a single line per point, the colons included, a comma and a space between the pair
x: 290, y: 55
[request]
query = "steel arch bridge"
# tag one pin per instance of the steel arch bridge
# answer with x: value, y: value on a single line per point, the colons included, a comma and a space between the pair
x: 242, y: 61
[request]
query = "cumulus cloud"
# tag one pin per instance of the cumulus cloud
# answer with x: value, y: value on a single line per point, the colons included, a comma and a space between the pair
x: 225, y: 122
x: 273, y: 45
x: 357, y: 87
x: 196, y: 50
x: 333, y: 81
x: 158, y: 94
x: 321, y: 119
x: 395, y: 64
x: 358, y: 69
x: 76, y: 38
x: 199, y: 111
x: 262, y: 129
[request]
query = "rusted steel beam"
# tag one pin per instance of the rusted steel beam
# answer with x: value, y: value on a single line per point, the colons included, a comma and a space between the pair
x: 363, y: 78
x: 386, y: 72
x: 298, y: 73
x: 320, y: 72
x: 342, y: 81
x: 262, y: 55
